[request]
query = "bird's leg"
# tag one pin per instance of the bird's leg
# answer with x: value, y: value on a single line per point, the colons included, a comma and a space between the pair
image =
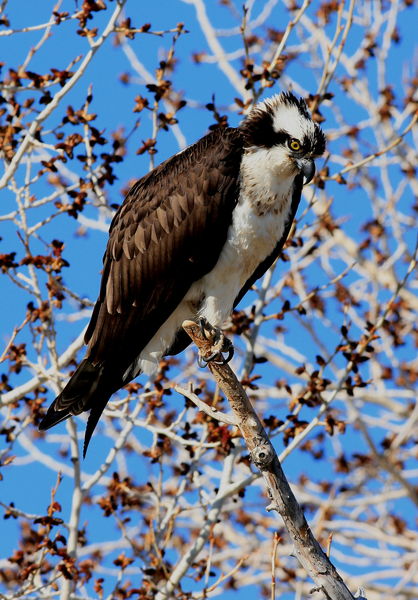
x: 220, y: 344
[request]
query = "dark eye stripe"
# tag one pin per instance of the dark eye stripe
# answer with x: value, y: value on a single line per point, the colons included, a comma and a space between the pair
x: 280, y: 137
x: 259, y: 131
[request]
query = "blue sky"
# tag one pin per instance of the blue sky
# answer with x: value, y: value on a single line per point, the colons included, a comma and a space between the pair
x: 29, y: 486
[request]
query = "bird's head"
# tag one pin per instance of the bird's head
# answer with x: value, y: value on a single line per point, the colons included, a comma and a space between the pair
x: 283, y: 126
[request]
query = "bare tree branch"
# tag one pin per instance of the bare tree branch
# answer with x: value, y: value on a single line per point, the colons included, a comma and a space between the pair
x: 263, y: 455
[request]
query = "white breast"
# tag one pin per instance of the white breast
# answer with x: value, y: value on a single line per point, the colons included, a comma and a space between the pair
x: 251, y: 238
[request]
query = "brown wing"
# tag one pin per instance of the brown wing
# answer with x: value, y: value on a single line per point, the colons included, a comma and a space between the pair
x: 168, y: 233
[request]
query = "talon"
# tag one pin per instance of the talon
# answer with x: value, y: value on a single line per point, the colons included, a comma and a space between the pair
x: 220, y: 345
x: 230, y: 354
x: 212, y: 357
x: 224, y: 360
x: 201, y: 361
x: 217, y: 355
x: 227, y: 347
x: 203, y: 324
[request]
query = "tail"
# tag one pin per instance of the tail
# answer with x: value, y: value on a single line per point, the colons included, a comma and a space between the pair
x: 88, y: 389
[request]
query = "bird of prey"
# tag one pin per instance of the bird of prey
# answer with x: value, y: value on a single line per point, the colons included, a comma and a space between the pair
x: 190, y: 239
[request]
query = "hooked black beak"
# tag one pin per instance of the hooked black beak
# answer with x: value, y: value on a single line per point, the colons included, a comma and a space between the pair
x: 307, y: 168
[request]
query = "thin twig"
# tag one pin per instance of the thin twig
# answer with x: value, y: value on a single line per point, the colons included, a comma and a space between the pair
x: 48, y: 110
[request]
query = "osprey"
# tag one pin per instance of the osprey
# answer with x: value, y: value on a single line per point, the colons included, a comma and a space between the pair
x: 190, y: 239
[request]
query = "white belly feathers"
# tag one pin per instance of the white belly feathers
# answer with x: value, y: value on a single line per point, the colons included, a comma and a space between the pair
x: 251, y: 238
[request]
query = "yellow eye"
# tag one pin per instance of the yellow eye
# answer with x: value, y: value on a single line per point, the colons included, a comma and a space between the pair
x: 294, y: 145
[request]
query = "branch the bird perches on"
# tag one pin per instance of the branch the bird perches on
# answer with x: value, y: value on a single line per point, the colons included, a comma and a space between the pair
x: 306, y: 548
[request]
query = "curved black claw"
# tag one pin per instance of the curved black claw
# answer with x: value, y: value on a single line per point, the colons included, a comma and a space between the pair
x: 220, y: 345
x: 230, y: 354
x: 202, y: 362
x: 214, y: 357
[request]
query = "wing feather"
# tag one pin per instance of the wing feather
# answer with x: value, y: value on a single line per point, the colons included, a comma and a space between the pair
x: 161, y: 215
